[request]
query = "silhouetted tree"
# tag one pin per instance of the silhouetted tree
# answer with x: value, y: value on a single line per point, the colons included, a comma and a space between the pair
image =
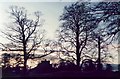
x: 88, y: 65
x: 24, y: 32
x: 5, y: 60
x: 75, y: 29
x: 8, y: 58
x: 109, y: 12
x: 84, y: 29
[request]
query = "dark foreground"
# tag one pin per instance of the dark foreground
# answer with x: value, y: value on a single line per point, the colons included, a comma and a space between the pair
x: 70, y: 75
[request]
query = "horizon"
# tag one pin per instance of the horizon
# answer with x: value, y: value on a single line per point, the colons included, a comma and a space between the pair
x: 51, y: 12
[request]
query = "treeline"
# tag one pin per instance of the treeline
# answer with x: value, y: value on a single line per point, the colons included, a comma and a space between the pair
x: 87, y: 30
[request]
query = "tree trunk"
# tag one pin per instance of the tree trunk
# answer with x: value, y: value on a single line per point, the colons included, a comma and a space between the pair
x: 99, y: 54
x: 78, y: 59
x: 25, y: 57
x: 25, y: 64
x: 77, y: 47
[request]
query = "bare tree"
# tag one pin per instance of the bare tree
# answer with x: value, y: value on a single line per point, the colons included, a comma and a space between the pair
x: 75, y: 30
x: 110, y: 15
x: 83, y: 27
x: 24, y: 32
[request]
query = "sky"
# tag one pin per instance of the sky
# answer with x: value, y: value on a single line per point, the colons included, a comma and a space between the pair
x: 50, y: 9
x: 46, y: 0
x: 51, y: 12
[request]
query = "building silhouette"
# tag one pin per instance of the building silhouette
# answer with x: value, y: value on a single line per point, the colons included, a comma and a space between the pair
x: 43, y: 67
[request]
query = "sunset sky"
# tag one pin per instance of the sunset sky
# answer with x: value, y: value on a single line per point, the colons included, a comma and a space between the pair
x: 51, y: 11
